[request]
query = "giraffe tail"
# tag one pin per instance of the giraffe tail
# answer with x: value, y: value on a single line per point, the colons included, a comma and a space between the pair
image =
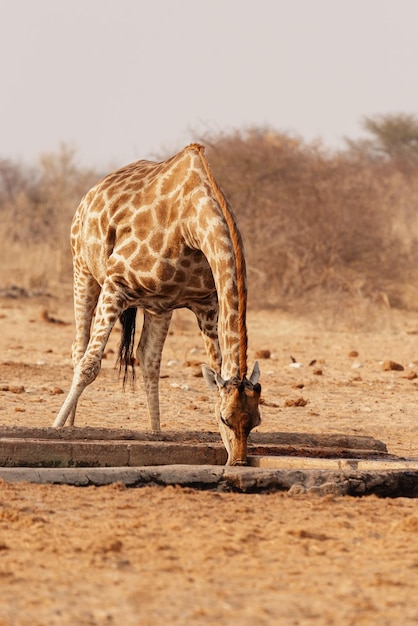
x: 126, y: 358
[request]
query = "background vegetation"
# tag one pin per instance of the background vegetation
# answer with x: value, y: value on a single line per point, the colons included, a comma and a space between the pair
x: 331, y: 230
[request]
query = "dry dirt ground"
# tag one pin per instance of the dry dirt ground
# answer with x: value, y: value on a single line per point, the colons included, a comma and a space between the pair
x: 117, y: 556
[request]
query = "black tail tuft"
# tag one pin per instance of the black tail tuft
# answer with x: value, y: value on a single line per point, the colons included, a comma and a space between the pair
x: 126, y: 357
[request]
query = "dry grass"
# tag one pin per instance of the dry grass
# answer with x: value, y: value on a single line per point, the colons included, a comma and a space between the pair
x: 323, y: 231
x: 37, y: 205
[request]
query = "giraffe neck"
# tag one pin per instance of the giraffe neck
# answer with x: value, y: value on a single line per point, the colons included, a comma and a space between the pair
x: 231, y: 286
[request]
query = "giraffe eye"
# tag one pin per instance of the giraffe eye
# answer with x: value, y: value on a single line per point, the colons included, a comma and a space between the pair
x: 224, y: 421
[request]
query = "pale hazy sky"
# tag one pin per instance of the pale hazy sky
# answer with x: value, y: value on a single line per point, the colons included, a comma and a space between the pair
x: 128, y: 79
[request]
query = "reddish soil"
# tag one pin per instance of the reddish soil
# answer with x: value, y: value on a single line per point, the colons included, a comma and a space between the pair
x: 117, y: 556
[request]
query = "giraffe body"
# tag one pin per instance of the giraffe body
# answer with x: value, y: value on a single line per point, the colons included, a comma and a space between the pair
x: 161, y: 236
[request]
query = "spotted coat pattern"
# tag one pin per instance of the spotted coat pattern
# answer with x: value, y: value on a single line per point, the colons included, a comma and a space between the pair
x: 161, y: 236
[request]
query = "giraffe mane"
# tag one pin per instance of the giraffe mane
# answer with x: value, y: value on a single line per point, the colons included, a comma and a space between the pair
x: 239, y: 257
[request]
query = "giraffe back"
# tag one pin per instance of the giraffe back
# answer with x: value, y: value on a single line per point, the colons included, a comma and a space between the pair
x: 138, y: 224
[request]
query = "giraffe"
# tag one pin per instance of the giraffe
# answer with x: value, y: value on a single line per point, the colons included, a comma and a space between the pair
x: 162, y: 236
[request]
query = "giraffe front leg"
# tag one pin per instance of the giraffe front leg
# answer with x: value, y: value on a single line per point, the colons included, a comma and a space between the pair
x: 150, y: 347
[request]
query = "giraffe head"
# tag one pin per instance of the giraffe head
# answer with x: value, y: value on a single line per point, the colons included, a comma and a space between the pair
x: 237, y: 410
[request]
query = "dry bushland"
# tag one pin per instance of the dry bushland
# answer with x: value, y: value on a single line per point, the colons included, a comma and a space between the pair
x: 36, y: 207
x: 320, y: 227
x: 321, y: 230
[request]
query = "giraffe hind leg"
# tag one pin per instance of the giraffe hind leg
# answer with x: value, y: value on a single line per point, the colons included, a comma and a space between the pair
x: 108, y: 309
x: 153, y: 335
x: 86, y: 295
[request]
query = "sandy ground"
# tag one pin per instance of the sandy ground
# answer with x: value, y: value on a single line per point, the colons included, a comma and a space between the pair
x: 117, y: 556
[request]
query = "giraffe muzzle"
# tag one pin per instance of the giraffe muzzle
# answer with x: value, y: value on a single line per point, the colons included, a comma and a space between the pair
x: 240, y: 463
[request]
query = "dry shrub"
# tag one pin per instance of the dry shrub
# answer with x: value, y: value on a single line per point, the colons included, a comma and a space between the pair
x: 323, y: 231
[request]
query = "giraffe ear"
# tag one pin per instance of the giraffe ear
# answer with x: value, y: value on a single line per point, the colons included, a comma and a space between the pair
x: 213, y: 379
x: 255, y: 374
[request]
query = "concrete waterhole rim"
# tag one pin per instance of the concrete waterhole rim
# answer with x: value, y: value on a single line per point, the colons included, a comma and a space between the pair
x: 297, y: 463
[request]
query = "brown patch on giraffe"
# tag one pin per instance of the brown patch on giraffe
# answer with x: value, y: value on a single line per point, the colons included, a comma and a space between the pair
x: 171, y: 288
x: 195, y: 282
x: 142, y: 224
x: 124, y: 198
x: 110, y: 239
x: 142, y: 261
x: 103, y: 223
x: 123, y: 215
x: 127, y: 249
x: 94, y: 252
x: 120, y: 300
x: 180, y: 277
x: 233, y: 319
x: 157, y: 240
x: 98, y: 203
x: 138, y: 199
x: 165, y: 272
x: 125, y: 230
x: 116, y: 267
x: 112, y: 191
x: 207, y: 282
x: 115, y: 177
x: 192, y: 183
x: 178, y: 173
x: 133, y: 280
x: 223, y: 266
x: 149, y: 284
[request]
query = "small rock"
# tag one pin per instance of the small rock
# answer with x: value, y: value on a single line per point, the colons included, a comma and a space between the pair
x: 353, y: 354
x: 297, y: 489
x: 392, y: 365
x: 412, y: 375
x: 262, y: 354
x: 318, y: 372
x: 182, y: 386
x: 269, y: 403
x: 13, y: 388
x: 297, y: 402
x: 46, y: 317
